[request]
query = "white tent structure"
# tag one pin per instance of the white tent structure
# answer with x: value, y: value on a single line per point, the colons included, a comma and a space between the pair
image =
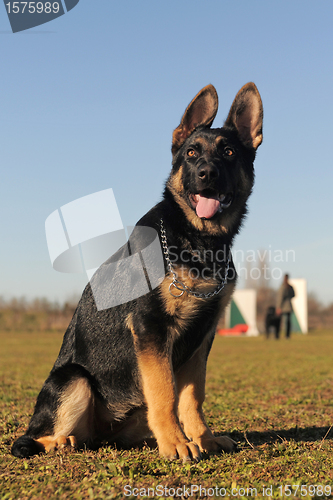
x: 299, y: 318
x: 242, y: 310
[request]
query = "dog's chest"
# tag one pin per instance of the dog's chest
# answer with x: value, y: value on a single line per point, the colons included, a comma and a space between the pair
x: 193, y: 305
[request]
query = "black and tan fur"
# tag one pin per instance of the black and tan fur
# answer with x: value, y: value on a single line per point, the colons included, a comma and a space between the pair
x: 138, y: 369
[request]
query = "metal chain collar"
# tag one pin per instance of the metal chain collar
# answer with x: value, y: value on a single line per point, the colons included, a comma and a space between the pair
x: 179, y: 285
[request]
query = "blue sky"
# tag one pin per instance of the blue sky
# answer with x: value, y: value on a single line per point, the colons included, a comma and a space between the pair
x: 89, y: 101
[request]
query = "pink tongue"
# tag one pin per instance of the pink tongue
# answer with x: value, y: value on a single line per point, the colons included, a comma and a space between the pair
x: 207, y: 207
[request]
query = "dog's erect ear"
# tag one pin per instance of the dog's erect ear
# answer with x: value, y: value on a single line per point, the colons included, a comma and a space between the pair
x: 201, y: 111
x: 246, y: 114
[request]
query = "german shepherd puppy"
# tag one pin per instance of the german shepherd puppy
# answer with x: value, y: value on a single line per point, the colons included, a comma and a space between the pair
x: 138, y: 369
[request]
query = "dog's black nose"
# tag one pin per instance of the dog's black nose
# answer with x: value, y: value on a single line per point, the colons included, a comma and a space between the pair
x: 207, y: 173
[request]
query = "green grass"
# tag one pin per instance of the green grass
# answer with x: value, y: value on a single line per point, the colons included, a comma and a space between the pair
x: 275, y: 398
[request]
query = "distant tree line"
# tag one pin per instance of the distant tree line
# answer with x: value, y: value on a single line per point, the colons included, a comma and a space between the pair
x: 41, y: 314
x: 35, y: 315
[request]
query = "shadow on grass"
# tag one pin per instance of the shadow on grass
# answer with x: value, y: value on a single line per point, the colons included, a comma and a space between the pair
x: 255, y: 438
x: 306, y: 434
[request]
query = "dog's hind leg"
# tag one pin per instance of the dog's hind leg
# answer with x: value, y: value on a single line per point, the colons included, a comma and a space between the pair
x: 63, y: 415
x: 74, y: 418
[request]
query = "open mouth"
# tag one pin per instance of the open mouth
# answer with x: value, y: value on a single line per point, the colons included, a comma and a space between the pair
x: 208, y: 203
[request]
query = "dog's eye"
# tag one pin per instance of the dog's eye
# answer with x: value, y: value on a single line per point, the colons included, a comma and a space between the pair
x: 228, y: 152
x: 191, y: 152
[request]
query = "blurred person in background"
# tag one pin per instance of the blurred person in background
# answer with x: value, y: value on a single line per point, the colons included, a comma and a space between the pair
x: 284, y: 306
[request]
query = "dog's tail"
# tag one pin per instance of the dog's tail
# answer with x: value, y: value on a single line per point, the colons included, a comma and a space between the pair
x: 26, y: 446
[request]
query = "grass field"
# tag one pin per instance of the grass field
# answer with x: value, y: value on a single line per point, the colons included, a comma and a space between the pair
x: 274, y: 398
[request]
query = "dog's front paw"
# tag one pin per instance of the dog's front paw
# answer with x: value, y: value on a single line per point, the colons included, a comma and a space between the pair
x: 215, y: 444
x: 186, y: 451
